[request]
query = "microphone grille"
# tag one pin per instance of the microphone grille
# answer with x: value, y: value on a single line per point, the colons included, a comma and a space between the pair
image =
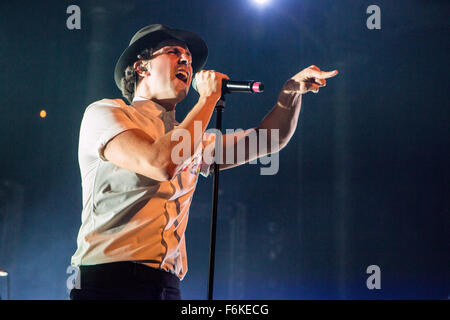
x: 194, y: 83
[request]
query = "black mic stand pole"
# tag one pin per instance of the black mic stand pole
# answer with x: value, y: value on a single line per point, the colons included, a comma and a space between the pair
x: 220, y: 106
x: 244, y: 86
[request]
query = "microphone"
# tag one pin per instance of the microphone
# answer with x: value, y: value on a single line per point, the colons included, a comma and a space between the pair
x: 230, y: 86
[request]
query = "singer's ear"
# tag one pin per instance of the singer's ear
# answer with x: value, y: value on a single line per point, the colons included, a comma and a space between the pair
x: 141, y: 69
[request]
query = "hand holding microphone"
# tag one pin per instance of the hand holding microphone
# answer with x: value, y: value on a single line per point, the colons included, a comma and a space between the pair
x: 208, y: 83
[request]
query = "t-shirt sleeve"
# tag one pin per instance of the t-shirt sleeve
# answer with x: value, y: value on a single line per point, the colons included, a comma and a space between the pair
x: 207, y: 164
x: 102, y: 121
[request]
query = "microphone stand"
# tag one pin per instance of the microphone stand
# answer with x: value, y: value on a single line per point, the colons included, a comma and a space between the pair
x: 236, y: 86
x: 220, y: 106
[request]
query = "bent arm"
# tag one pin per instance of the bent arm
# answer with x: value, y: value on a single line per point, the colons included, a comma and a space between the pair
x: 134, y: 150
x: 156, y: 159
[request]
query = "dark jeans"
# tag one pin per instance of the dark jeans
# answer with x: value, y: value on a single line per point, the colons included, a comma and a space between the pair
x: 125, y: 281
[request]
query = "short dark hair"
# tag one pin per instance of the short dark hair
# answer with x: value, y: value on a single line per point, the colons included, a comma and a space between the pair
x: 129, y: 81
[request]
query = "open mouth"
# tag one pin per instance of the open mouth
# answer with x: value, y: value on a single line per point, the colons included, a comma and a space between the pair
x: 182, y: 75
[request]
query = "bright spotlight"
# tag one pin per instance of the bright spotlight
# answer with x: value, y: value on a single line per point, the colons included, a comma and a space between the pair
x: 261, y: 2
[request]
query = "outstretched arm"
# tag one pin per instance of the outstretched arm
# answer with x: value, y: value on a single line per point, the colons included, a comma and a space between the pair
x: 283, y: 118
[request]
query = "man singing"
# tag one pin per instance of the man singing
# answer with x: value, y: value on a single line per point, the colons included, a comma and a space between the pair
x: 136, y: 197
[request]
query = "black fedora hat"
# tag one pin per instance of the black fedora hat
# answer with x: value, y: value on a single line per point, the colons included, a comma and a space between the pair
x: 150, y: 36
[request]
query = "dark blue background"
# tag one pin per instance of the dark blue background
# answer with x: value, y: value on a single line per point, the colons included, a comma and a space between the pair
x: 364, y: 180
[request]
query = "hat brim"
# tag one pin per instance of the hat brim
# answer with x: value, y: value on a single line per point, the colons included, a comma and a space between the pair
x: 195, y: 44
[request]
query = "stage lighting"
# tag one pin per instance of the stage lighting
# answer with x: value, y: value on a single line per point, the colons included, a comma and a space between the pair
x: 3, y: 273
x: 43, y: 114
x: 261, y: 2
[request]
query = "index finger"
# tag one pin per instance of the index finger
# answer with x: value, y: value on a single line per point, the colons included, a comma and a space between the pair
x: 324, y: 74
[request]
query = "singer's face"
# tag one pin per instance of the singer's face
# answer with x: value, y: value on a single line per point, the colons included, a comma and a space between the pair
x: 170, y: 73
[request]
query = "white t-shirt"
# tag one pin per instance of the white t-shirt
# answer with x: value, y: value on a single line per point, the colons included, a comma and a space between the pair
x: 127, y: 216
